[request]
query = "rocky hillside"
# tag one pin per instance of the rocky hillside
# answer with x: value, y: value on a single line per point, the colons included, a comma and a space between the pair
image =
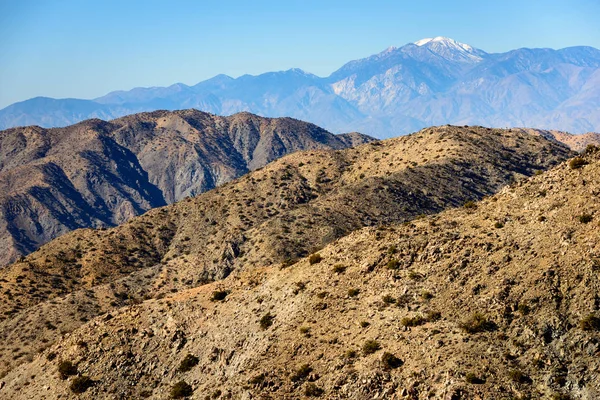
x: 99, y: 174
x: 497, y: 299
x: 272, y: 216
x: 575, y: 142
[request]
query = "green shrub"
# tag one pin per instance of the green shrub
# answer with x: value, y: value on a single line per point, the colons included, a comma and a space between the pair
x: 477, y: 323
x: 301, y: 373
x: 392, y: 249
x: 498, y: 225
x: 312, y: 390
x: 350, y: 354
x: 353, y: 292
x: 590, y: 323
x: 425, y: 295
x: 66, y: 369
x: 371, y: 346
x: 577, y: 163
x: 585, y: 218
x: 305, y: 330
x: 189, y: 362
x: 393, y: 264
x: 266, y: 321
x: 219, y: 295
x: 181, y: 390
x: 523, y: 309
x: 390, y: 361
x: 80, y: 384
x: 315, y: 258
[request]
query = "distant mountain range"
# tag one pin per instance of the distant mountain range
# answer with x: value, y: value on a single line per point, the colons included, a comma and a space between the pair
x: 431, y: 82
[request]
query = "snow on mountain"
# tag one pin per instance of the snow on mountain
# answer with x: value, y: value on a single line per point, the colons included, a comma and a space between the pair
x: 432, y: 81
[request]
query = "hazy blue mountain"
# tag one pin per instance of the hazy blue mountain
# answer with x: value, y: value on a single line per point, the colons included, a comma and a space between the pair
x: 430, y: 82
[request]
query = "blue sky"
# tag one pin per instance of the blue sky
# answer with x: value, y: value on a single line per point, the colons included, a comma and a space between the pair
x: 84, y: 48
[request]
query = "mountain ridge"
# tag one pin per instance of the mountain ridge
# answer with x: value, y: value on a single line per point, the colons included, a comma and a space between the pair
x: 398, y: 91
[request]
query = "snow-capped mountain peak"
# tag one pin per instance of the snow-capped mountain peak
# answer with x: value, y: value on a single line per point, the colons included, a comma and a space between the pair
x: 451, y: 49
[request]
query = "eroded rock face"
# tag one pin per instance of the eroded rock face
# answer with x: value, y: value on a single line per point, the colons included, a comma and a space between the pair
x: 99, y: 174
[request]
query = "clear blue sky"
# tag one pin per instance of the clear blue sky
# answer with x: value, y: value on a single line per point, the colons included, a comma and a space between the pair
x: 84, y: 48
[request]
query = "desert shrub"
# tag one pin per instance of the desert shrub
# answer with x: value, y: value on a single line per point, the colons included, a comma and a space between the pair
x: 474, y: 379
x: 477, y: 323
x: 518, y: 376
x: 80, y: 384
x: 371, y: 346
x: 181, y: 390
x: 413, y: 321
x: 266, y: 321
x: 470, y: 204
x: 393, y: 264
x: 590, y: 149
x: 350, y: 354
x: 393, y: 249
x: 415, y: 276
x: 498, y: 225
x: 353, y: 292
x: 66, y: 369
x: 189, y: 362
x: 523, y: 309
x: 585, y: 218
x: 312, y: 390
x: 339, y: 268
x: 577, y: 163
x: 425, y: 295
x: 432, y: 316
x: 390, y: 361
x: 145, y: 394
x: 387, y: 299
x: 219, y: 295
x: 51, y: 356
x: 560, y: 396
x: 315, y: 258
x: 305, y: 330
x: 364, y: 324
x: 590, y: 323
x: 301, y: 373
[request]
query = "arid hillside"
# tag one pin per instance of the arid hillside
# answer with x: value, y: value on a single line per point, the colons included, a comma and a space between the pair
x: 100, y: 174
x: 575, y: 142
x: 272, y: 216
x: 497, y: 299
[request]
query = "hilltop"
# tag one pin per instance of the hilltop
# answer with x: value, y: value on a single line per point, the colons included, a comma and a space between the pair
x: 496, y: 299
x: 100, y: 174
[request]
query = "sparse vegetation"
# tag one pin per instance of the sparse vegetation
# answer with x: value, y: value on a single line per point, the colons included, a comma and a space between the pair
x: 80, y: 384
x: 371, y: 346
x: 413, y: 321
x: 364, y: 324
x: 339, y: 268
x: 393, y: 264
x: 315, y: 258
x: 474, y: 379
x: 266, y: 321
x: 387, y: 299
x: 590, y: 323
x: 477, y: 323
x: 353, y: 292
x: 312, y: 390
x: 470, y: 205
x: 219, y: 295
x: 181, y: 390
x: 577, y: 162
x: 585, y: 218
x: 66, y: 369
x: 189, y: 362
x: 518, y: 376
x: 390, y: 361
x: 301, y: 373
x: 498, y: 225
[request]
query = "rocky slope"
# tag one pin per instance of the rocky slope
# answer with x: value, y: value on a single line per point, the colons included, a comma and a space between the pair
x: 575, y: 142
x: 98, y: 174
x: 498, y: 299
x: 274, y: 215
